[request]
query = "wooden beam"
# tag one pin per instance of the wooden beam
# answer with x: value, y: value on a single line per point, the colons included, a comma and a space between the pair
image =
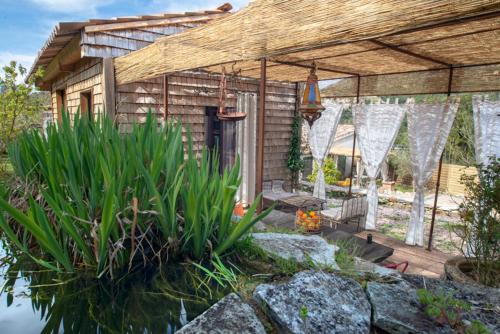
x: 153, y: 23
x: 259, y: 179
x: 108, y: 87
x: 62, y: 62
x: 319, y: 68
x: 409, y: 53
x: 165, y: 97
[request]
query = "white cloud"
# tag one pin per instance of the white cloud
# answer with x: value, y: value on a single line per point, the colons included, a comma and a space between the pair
x: 23, y: 59
x: 72, y: 6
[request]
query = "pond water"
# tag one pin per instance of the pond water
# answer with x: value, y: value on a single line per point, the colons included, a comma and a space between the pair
x: 148, y: 301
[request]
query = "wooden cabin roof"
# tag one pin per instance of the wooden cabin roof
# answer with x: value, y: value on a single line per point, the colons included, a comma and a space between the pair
x: 64, y: 32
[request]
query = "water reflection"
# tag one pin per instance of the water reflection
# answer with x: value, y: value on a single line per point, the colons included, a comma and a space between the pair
x: 144, y: 302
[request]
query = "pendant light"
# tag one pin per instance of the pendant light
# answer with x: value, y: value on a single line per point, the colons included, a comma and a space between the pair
x: 311, y: 107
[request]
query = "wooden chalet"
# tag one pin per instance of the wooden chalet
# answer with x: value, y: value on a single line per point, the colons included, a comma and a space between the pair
x: 79, y: 74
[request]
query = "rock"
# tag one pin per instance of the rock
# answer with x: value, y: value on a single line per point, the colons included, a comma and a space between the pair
x: 302, y: 248
x: 484, y: 301
x: 259, y: 226
x: 229, y: 315
x: 334, y: 304
x: 364, y: 267
x: 396, y: 309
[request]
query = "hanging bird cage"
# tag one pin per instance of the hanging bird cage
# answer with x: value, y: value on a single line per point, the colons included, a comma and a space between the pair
x: 311, y: 107
x: 227, y: 113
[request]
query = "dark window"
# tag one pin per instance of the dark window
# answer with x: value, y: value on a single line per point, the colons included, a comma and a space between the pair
x: 213, y: 133
x: 220, y: 137
x: 86, y: 105
x: 213, y: 128
x: 60, y: 103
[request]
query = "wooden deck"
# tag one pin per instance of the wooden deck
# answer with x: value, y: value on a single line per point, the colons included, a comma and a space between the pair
x: 421, y: 261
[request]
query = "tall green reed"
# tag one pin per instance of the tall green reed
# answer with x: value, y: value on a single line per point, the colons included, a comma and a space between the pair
x: 108, y: 201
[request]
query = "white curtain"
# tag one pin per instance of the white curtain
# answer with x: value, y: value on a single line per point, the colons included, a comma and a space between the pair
x: 376, y: 128
x: 246, y: 142
x: 486, y: 129
x: 321, y: 137
x: 428, y: 128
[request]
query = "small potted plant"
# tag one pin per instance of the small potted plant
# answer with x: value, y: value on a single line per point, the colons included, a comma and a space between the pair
x: 309, y: 221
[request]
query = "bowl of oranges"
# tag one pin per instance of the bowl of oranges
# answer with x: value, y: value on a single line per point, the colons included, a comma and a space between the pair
x: 309, y: 221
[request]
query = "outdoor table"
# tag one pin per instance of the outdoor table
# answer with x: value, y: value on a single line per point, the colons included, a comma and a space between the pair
x: 373, y: 252
x: 301, y: 202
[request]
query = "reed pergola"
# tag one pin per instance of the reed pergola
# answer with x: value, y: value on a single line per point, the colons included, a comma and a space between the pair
x: 373, y: 48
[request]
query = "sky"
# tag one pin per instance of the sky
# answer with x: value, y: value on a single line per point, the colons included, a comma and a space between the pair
x: 25, y: 25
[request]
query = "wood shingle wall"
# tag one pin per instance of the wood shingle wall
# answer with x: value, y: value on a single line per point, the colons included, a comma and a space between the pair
x: 86, y: 77
x: 188, y: 95
x: 116, y: 43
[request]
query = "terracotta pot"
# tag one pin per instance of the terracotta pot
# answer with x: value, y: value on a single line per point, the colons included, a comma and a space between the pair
x: 455, y: 269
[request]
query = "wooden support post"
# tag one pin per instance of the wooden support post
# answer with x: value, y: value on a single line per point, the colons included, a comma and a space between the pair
x: 354, y: 143
x: 296, y: 113
x: 436, y: 195
x: 434, y: 208
x: 108, y: 87
x: 165, y: 97
x: 259, y: 179
x: 352, y: 163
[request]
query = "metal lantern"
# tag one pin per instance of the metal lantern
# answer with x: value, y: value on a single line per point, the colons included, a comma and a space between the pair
x: 311, y: 101
x: 227, y: 113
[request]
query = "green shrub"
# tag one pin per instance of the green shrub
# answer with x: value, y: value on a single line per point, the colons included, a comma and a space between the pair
x: 479, y: 226
x: 112, y: 202
x: 294, y: 162
x: 447, y: 310
x: 332, y: 174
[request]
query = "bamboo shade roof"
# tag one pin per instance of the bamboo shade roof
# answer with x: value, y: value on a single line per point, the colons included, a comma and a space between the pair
x: 390, y: 46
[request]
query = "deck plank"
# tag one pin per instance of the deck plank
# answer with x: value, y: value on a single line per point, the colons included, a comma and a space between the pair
x: 420, y: 260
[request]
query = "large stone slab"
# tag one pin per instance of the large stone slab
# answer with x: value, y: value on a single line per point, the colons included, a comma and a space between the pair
x: 334, y: 304
x: 364, y: 267
x: 396, y: 309
x: 484, y: 301
x: 302, y: 248
x: 229, y: 315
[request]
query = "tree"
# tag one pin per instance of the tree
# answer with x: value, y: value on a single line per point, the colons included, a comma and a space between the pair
x: 20, y: 106
x: 460, y: 145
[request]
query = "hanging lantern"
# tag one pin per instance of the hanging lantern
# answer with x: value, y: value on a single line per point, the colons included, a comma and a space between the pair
x: 227, y: 113
x: 311, y: 101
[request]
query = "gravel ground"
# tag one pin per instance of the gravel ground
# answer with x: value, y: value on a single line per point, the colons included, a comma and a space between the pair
x: 393, y: 218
